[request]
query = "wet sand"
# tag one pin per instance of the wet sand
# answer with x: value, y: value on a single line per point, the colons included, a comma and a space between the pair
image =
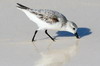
x: 16, y: 32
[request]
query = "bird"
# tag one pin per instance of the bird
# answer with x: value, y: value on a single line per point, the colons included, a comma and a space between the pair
x: 49, y: 20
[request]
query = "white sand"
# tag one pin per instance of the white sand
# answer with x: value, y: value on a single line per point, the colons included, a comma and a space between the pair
x: 16, y: 32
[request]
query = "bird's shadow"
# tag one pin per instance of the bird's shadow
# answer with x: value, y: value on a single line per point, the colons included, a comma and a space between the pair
x: 81, y: 32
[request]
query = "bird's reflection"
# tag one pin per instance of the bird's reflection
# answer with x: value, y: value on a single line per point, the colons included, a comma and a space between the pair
x: 57, y: 57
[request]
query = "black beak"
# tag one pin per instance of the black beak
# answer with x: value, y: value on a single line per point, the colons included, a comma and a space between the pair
x: 77, y: 36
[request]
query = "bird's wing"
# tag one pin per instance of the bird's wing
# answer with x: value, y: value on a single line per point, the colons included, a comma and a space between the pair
x: 49, y: 16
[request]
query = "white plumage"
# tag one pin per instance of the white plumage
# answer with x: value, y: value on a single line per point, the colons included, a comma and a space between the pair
x: 48, y: 19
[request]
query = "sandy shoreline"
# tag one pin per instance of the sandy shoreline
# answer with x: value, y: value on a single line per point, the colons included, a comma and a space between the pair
x: 16, y: 31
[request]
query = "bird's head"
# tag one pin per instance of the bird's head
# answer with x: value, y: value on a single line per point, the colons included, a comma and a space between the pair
x: 72, y: 27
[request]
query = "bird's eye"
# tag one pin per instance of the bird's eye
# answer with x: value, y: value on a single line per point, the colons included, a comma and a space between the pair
x: 73, y: 28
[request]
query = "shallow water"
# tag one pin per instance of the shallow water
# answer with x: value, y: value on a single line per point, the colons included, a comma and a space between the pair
x: 16, y: 32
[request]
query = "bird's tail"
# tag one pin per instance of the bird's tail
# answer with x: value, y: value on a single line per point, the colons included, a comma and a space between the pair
x: 22, y: 6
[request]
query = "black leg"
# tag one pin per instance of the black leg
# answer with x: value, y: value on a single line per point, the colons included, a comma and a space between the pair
x: 34, y: 35
x: 49, y: 35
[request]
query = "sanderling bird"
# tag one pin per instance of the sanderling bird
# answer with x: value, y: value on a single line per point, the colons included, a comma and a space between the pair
x: 49, y: 19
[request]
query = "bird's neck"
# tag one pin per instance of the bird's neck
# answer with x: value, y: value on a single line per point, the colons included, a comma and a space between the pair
x: 63, y: 27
